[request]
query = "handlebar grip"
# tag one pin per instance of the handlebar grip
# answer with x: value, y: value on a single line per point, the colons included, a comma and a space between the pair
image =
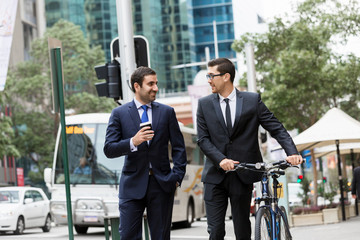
x: 279, y: 162
x: 280, y: 172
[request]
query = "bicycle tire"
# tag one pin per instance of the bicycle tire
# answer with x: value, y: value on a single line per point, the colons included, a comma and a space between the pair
x: 283, y: 224
x: 263, y: 224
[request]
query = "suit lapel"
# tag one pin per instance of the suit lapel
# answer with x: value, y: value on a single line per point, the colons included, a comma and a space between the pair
x: 134, y: 114
x: 239, y: 105
x: 216, y: 103
x: 156, y: 113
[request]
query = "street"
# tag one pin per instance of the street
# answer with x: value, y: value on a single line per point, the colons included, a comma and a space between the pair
x: 348, y: 230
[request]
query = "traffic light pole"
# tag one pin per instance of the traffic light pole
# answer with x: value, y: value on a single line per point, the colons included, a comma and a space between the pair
x: 126, y: 46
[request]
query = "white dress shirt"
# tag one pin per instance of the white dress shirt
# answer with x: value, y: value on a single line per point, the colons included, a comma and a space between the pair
x: 133, y: 148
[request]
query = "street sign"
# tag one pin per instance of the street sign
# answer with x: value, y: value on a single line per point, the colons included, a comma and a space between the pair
x: 52, y: 44
x: 141, y: 45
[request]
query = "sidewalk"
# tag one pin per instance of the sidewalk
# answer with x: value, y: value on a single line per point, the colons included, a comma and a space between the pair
x: 346, y: 230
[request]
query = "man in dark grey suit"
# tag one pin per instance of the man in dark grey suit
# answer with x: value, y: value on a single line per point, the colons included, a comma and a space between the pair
x: 355, y: 183
x: 227, y: 125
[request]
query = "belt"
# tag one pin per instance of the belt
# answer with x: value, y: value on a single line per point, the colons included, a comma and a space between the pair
x: 151, y: 172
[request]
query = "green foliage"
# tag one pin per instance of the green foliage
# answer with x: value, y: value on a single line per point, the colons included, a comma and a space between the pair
x: 85, y: 102
x: 29, y: 85
x: 297, y: 67
x: 330, y: 193
x: 346, y: 185
x: 7, y: 148
x: 305, y: 195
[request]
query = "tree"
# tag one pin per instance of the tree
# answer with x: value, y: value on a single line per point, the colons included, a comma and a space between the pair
x: 301, y: 74
x: 29, y: 89
x: 7, y: 148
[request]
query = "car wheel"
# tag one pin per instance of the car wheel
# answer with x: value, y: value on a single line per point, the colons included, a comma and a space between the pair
x: 47, y: 226
x: 20, y: 226
x: 190, y: 216
x: 81, y: 229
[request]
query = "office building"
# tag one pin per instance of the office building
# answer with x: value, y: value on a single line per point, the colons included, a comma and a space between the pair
x: 232, y: 19
x: 29, y: 24
x: 165, y: 24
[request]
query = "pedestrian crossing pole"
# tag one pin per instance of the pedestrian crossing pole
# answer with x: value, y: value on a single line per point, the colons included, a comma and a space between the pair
x: 58, y: 104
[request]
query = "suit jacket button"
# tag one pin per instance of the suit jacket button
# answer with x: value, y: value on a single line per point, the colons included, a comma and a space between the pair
x: 230, y: 142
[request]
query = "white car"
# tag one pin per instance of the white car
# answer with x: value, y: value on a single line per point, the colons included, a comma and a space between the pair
x: 22, y: 208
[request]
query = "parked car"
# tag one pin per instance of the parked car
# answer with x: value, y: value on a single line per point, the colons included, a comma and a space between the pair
x: 22, y: 208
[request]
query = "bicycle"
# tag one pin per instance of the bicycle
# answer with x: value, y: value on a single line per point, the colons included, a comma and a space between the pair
x: 271, y: 221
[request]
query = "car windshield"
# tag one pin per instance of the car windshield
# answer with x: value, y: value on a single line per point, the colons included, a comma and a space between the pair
x: 87, y: 162
x: 9, y: 197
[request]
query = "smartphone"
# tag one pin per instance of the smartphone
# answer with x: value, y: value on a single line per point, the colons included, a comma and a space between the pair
x: 146, y: 124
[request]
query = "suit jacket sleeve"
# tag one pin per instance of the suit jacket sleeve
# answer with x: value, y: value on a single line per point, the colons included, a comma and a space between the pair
x: 275, y: 128
x: 355, y: 180
x: 178, y: 148
x: 115, y: 145
x: 204, y: 141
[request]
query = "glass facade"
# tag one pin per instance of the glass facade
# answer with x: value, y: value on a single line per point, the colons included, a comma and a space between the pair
x: 96, y: 18
x: 203, y: 13
x: 165, y: 24
x: 101, y: 23
x: 71, y: 10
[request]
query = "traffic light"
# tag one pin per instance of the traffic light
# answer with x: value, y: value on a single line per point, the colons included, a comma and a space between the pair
x: 141, y: 48
x: 112, y: 87
x: 324, y: 179
x: 300, y: 178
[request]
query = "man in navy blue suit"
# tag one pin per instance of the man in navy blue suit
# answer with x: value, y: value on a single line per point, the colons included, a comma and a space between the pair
x: 147, y: 179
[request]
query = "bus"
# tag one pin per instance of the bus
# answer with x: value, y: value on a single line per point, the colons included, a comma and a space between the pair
x: 94, y: 178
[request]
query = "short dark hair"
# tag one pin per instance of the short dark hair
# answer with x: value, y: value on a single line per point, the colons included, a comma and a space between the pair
x: 139, y: 74
x: 224, y: 65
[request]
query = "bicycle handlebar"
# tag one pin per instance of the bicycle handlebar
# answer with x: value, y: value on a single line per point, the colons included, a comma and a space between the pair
x: 264, y: 167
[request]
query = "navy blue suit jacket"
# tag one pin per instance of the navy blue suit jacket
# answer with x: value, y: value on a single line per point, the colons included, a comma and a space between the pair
x: 124, y: 124
x: 242, y: 144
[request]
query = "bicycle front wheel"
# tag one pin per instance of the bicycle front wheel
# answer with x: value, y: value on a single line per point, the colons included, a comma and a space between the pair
x: 283, y: 225
x: 263, y: 224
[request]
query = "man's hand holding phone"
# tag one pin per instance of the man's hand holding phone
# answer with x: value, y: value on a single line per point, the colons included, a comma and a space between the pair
x: 144, y: 134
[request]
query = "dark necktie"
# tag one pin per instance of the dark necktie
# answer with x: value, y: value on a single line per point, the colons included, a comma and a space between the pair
x: 144, y: 117
x: 228, y: 116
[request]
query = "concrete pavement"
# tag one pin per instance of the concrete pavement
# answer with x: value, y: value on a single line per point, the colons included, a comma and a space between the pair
x: 346, y: 230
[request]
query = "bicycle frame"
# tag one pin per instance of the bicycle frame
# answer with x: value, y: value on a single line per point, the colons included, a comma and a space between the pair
x: 270, y: 199
x: 270, y: 196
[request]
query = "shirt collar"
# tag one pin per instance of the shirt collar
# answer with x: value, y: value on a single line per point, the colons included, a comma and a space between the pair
x: 231, y: 96
x: 138, y: 104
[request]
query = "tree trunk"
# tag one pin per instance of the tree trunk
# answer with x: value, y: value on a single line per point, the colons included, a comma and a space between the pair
x: 313, y: 162
x: 343, y: 162
x: 344, y: 175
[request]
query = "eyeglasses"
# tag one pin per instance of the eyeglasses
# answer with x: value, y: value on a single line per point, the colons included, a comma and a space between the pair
x: 211, y: 76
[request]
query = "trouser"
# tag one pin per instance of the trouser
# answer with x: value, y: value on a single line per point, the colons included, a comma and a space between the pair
x: 216, y: 201
x: 158, y: 204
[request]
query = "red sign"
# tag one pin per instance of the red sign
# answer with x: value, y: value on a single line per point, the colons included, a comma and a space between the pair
x: 20, y: 176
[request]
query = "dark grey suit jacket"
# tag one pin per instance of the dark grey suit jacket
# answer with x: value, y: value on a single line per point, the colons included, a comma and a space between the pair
x: 243, y: 144
x: 355, y: 183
